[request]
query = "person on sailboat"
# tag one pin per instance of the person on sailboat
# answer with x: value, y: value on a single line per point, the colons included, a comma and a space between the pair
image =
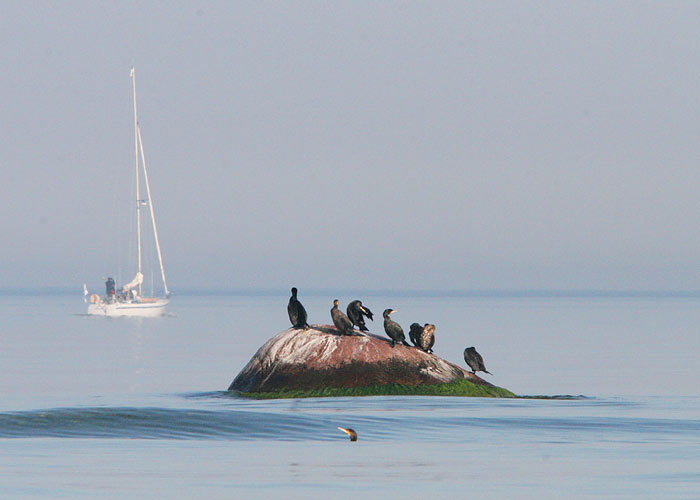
x: 111, y: 286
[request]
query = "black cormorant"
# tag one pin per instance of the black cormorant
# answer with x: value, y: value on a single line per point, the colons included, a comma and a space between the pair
x: 427, y: 338
x: 474, y: 360
x: 349, y: 432
x: 414, y: 333
x: 393, y: 329
x: 355, y: 312
x: 341, y: 322
x: 297, y: 313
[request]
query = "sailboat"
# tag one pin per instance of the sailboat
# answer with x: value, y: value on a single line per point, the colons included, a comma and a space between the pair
x: 129, y: 299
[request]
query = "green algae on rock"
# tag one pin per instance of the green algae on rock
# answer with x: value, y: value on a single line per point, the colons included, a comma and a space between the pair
x: 319, y: 362
x: 460, y: 388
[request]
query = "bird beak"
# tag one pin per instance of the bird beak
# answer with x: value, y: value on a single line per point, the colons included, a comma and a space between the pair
x: 363, y: 309
x: 344, y: 430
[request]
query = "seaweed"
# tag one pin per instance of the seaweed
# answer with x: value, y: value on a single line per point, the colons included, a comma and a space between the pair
x: 459, y: 388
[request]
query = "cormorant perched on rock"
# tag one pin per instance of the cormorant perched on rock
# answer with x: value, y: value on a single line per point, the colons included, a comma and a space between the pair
x: 393, y: 329
x: 355, y: 312
x: 297, y: 313
x: 475, y: 361
x: 427, y: 338
x: 414, y: 333
x: 342, y: 322
x: 349, y: 432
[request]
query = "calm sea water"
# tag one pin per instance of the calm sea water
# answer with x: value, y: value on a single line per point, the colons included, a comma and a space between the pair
x: 125, y: 408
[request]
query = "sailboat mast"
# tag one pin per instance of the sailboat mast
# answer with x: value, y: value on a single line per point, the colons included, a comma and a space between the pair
x: 153, y: 216
x: 136, y: 156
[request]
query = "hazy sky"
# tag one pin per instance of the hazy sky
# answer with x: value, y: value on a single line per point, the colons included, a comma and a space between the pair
x: 378, y: 145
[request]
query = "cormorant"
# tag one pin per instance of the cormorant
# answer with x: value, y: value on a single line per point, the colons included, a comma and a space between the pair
x: 475, y: 361
x: 393, y: 329
x: 297, y: 313
x: 427, y: 338
x: 355, y: 312
x: 341, y: 322
x: 349, y: 432
x: 414, y: 333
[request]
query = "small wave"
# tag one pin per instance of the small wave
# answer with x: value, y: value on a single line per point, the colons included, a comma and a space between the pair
x: 319, y: 424
x: 153, y: 423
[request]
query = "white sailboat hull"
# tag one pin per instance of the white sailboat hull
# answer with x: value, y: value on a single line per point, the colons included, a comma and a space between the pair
x: 150, y: 309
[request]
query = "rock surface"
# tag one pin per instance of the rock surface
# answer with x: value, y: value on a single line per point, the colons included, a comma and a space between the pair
x: 319, y: 357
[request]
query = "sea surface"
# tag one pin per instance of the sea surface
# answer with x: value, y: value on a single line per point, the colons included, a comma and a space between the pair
x: 136, y: 409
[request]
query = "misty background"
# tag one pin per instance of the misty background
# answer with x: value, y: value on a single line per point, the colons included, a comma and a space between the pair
x: 366, y: 145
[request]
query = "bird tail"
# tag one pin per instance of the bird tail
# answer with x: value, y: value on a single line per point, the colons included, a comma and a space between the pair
x: 485, y: 371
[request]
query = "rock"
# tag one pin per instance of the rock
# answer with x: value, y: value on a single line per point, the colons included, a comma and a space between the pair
x: 319, y: 358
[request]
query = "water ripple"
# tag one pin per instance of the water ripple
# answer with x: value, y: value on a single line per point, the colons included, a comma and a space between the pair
x: 149, y: 423
x: 314, y: 423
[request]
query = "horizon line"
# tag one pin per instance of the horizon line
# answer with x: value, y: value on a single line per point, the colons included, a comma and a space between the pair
x: 389, y: 292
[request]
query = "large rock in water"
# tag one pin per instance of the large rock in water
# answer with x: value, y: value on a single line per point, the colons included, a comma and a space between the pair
x: 319, y: 357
